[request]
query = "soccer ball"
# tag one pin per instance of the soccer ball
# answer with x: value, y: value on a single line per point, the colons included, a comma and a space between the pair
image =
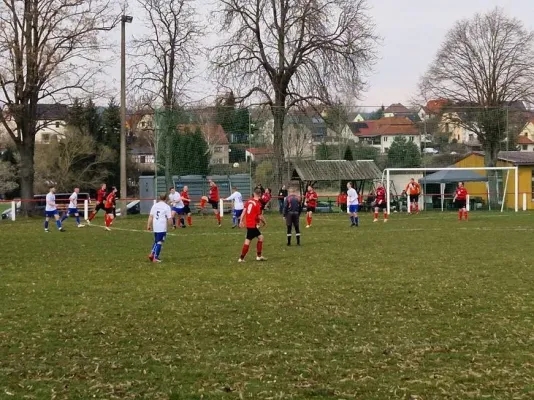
x: 236, y: 165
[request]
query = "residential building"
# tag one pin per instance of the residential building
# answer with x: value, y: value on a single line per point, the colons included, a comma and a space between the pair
x: 51, y: 123
x: 381, y: 133
x: 259, y: 154
x: 521, y: 159
x: 525, y: 141
x: 215, y: 138
x: 455, y: 131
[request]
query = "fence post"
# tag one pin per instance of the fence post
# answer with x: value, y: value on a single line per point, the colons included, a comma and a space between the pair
x: 86, y: 209
x: 524, y: 202
x: 409, y: 204
x: 221, y: 207
x: 13, y: 210
x: 468, y: 203
x: 154, y: 201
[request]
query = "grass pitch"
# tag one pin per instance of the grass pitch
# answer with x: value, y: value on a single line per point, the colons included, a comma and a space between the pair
x: 423, y: 307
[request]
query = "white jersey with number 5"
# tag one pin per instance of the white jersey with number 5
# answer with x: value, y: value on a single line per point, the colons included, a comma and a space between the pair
x: 161, y: 213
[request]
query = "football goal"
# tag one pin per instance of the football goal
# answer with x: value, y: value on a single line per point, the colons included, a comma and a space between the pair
x: 489, y: 188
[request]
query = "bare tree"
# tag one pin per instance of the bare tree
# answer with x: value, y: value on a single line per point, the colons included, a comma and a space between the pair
x: 76, y: 160
x: 483, y: 66
x: 49, y: 48
x: 165, y: 59
x: 285, y: 52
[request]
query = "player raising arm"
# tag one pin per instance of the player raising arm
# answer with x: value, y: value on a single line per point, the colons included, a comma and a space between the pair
x: 311, y: 204
x: 238, y: 206
x: 51, y: 210
x: 460, y: 199
x: 352, y: 205
x: 213, y: 200
x: 158, y: 220
x: 413, y: 189
x: 73, y: 208
x: 381, y: 202
x: 250, y: 219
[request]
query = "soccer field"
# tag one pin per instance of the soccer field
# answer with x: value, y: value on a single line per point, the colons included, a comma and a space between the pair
x: 423, y: 307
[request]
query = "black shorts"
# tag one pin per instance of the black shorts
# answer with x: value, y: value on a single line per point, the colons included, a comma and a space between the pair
x: 382, y: 206
x: 214, y: 204
x: 310, y: 209
x: 292, y: 218
x: 109, y: 210
x: 253, y: 233
x: 414, y: 198
x: 99, y: 206
x: 461, y: 204
x: 187, y: 210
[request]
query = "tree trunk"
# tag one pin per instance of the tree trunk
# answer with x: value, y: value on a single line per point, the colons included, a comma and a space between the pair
x: 26, y: 173
x: 279, y: 115
x: 491, y: 152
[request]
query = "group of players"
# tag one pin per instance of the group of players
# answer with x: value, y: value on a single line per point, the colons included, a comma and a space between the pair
x: 174, y: 208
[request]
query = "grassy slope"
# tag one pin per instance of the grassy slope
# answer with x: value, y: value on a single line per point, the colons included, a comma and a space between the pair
x: 422, y: 306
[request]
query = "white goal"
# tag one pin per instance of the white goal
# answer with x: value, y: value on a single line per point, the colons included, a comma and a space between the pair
x: 493, y: 188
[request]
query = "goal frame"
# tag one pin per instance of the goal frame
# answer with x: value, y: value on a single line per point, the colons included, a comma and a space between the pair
x: 388, y: 171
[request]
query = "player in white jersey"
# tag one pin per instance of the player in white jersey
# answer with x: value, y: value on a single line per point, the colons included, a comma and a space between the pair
x: 352, y: 205
x: 160, y: 216
x: 51, y: 210
x: 177, y: 207
x: 238, y: 206
x: 73, y: 208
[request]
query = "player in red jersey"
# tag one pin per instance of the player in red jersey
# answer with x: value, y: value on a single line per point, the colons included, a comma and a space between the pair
x: 213, y: 199
x: 100, y: 199
x: 110, y: 203
x: 265, y: 199
x: 187, y: 201
x: 250, y: 219
x: 310, y: 203
x: 460, y: 199
x: 381, y: 202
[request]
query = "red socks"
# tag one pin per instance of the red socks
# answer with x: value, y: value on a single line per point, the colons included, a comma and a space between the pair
x: 385, y: 216
x: 376, y: 215
x: 308, y: 220
x: 218, y: 218
x: 108, y: 220
x: 465, y: 215
x: 460, y: 213
x: 244, y: 251
x: 189, y: 220
x: 259, y: 248
x: 92, y: 216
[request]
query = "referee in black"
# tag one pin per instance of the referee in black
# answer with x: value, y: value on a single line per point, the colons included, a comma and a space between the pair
x: 292, y: 210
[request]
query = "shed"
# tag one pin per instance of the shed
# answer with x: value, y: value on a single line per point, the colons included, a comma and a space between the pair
x: 359, y: 172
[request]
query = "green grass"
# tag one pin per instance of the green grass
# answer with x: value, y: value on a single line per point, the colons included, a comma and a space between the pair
x: 423, y: 307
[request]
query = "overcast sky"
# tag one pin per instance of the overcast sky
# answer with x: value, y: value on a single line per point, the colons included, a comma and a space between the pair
x: 411, y: 32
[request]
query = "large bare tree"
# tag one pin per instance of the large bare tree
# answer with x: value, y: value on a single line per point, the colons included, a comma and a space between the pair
x: 49, y: 49
x: 483, y: 68
x: 285, y: 52
x: 165, y: 59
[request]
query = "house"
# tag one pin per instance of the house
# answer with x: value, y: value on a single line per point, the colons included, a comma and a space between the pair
x: 381, y: 133
x: 215, y: 138
x: 450, y: 126
x: 144, y: 157
x: 525, y: 163
x: 259, y: 154
x: 525, y: 140
x: 51, y: 123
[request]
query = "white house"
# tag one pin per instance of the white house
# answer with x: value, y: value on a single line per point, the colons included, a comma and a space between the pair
x: 525, y: 141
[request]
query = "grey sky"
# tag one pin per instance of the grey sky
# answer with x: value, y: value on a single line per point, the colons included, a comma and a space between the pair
x: 412, y: 31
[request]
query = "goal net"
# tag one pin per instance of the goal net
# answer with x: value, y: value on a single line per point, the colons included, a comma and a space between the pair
x: 489, y: 188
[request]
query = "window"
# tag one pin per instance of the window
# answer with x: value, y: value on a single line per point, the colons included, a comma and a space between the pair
x: 471, y: 137
x: 525, y: 147
x: 57, y: 124
x: 143, y: 124
x: 142, y: 159
x: 218, y: 149
x: 411, y: 138
x: 385, y: 139
x: 447, y: 126
x: 526, y: 134
x: 45, y: 138
x: 218, y: 161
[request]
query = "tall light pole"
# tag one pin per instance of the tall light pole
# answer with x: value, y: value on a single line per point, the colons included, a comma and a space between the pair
x: 124, y: 182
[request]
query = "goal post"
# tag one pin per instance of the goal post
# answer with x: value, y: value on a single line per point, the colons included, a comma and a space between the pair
x: 506, y: 180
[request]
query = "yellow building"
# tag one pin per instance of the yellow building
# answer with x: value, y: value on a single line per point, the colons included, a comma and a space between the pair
x: 525, y: 163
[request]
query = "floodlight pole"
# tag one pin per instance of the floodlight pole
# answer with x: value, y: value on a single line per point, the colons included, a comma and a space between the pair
x: 123, y: 178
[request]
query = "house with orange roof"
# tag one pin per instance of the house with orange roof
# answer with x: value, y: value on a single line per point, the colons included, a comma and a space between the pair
x: 382, y: 132
x: 525, y: 140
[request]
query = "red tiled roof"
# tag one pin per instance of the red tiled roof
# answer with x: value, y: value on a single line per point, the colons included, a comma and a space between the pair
x: 524, y: 140
x: 435, y: 106
x: 259, y: 151
x: 388, y: 126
